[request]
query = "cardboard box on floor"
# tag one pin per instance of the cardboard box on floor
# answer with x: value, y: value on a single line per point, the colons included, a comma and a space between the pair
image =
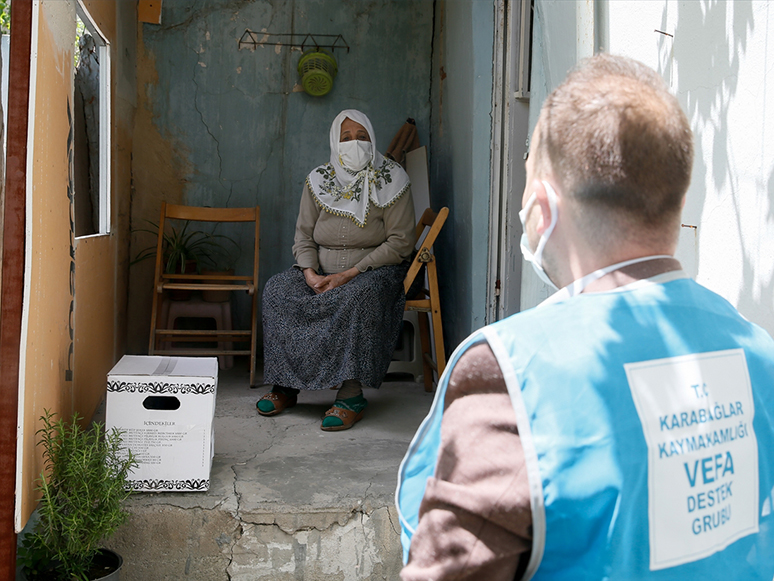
x: 165, y: 407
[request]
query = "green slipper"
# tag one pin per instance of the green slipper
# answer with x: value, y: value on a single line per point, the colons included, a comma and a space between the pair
x: 344, y: 414
x: 277, y: 400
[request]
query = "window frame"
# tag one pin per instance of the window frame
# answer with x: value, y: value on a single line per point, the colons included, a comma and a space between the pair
x: 105, y: 128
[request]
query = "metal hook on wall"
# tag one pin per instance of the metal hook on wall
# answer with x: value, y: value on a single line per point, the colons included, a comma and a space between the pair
x: 251, y: 39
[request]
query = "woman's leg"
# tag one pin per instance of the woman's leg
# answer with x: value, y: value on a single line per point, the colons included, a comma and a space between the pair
x: 350, y: 388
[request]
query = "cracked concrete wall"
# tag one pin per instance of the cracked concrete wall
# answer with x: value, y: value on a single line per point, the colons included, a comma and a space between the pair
x: 363, y: 547
x: 205, y: 544
x: 221, y: 126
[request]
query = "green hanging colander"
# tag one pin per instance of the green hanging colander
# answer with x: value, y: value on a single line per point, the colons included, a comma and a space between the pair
x: 317, y: 70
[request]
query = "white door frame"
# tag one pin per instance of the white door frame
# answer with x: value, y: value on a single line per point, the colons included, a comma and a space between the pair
x: 510, y: 118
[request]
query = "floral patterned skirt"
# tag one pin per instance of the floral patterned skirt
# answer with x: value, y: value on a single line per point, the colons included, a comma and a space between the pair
x: 313, y: 341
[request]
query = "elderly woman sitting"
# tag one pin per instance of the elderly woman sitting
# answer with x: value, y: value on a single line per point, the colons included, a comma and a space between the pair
x: 334, y: 318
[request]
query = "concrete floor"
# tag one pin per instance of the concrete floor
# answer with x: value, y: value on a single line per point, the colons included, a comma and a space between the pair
x: 287, y: 501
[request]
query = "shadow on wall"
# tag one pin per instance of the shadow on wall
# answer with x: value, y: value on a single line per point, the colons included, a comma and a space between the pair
x: 711, y: 43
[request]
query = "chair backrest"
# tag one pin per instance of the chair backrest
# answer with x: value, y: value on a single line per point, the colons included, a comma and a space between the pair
x: 201, y: 214
x: 434, y: 221
x: 198, y: 214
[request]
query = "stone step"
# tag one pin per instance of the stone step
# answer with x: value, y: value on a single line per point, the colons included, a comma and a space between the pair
x: 287, y: 501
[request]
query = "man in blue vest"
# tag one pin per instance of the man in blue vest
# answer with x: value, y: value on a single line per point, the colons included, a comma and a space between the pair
x: 624, y: 428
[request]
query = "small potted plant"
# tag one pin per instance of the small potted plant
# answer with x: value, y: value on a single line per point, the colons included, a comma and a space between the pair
x: 83, y: 487
x: 187, y: 251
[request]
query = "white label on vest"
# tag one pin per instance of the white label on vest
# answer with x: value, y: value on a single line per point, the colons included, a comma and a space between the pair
x: 697, y: 418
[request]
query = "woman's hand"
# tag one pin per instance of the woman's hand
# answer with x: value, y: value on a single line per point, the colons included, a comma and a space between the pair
x: 313, y: 279
x: 320, y: 284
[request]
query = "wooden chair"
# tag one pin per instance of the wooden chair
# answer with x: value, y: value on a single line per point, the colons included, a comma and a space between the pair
x: 429, y: 299
x: 160, y: 338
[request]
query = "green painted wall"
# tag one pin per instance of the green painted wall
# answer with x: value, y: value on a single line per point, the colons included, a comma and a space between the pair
x: 460, y: 163
x: 221, y: 126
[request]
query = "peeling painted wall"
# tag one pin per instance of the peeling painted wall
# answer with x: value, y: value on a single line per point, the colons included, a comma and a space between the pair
x: 717, y: 58
x: 221, y: 126
x: 460, y: 158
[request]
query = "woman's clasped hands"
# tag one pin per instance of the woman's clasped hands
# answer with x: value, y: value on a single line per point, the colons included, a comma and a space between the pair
x: 319, y: 283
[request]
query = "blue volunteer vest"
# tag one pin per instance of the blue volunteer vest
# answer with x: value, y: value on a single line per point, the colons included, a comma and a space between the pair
x: 647, y: 421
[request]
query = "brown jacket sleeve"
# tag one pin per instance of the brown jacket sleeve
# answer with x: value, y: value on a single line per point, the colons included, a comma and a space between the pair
x: 474, y: 521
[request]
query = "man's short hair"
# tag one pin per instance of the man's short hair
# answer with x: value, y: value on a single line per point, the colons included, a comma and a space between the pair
x: 616, y: 138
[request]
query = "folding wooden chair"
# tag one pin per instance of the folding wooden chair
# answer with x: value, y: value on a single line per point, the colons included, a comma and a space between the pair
x: 429, y: 299
x: 161, y: 338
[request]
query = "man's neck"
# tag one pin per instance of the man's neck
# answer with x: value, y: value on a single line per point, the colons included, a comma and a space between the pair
x: 574, y: 251
x: 633, y: 273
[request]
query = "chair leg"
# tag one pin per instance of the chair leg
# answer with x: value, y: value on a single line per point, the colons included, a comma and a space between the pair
x: 253, y: 337
x: 154, y: 322
x: 435, y: 305
x: 424, y: 336
x: 223, y: 323
x: 163, y: 319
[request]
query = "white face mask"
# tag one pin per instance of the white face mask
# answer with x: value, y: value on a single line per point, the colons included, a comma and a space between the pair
x: 536, y: 258
x: 355, y: 155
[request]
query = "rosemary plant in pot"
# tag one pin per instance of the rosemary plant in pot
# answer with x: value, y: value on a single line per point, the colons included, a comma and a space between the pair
x: 83, y: 487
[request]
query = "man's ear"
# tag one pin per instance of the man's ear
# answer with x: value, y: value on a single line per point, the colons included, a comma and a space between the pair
x: 544, y: 207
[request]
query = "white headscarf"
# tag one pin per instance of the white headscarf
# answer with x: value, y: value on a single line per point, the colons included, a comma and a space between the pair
x: 346, y: 193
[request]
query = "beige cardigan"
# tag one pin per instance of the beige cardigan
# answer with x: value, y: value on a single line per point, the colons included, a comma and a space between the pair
x: 335, y: 243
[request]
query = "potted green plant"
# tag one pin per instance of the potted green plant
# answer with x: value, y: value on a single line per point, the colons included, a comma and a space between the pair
x: 182, y: 246
x: 83, y: 487
x: 186, y: 251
